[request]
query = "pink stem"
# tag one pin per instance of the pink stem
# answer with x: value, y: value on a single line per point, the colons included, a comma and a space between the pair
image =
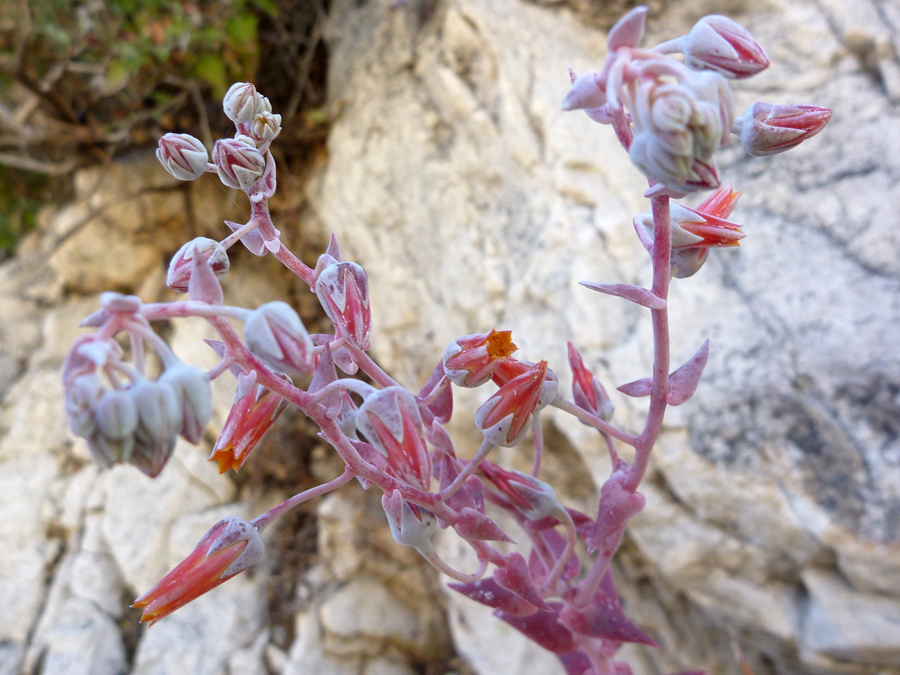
x: 262, y: 521
x: 661, y: 256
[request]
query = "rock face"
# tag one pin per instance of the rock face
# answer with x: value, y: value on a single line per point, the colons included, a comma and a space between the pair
x: 474, y: 203
x: 773, y: 517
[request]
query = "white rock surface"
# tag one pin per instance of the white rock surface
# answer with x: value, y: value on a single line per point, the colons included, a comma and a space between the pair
x: 473, y: 203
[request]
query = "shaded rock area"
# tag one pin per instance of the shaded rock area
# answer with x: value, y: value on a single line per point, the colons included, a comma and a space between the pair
x: 773, y: 516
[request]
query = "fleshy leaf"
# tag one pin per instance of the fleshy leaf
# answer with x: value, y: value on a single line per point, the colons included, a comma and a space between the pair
x: 603, y: 618
x: 628, y: 30
x: 638, y: 388
x: 475, y: 525
x: 489, y: 592
x: 514, y: 576
x: 636, y: 294
x: 683, y: 382
x: 543, y: 628
x: 204, y: 286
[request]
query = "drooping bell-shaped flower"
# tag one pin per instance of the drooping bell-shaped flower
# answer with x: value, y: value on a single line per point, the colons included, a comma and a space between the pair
x: 252, y: 414
x: 391, y: 422
x: 159, y: 423
x: 230, y: 547
x: 471, y: 360
x: 410, y: 525
x: 195, y: 393
x: 505, y: 417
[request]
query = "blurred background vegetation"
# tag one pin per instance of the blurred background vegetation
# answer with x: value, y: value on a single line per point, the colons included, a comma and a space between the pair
x: 82, y: 82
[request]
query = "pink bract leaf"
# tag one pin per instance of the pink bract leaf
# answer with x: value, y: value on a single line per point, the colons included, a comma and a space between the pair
x: 266, y: 185
x: 603, y: 618
x: 96, y: 319
x: 436, y: 398
x: 514, y: 576
x: 683, y: 382
x: 477, y: 526
x: 334, y: 249
x: 204, y: 287
x: 576, y: 663
x: 637, y: 295
x: 628, y: 30
x: 638, y: 388
x: 489, y: 592
x: 324, y: 374
x: 556, y: 543
x: 252, y: 240
x: 543, y: 628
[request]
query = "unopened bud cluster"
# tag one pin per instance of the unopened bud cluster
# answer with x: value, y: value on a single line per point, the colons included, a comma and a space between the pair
x: 681, y: 112
x: 240, y: 162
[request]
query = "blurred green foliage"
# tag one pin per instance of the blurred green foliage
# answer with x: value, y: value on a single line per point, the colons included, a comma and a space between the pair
x: 111, y: 74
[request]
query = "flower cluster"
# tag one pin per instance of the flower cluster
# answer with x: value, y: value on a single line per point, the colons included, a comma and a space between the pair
x: 124, y: 416
x: 671, y: 115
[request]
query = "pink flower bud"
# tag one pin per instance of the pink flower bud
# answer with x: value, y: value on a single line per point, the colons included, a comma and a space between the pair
x: 230, y: 547
x: 160, y: 421
x: 533, y: 498
x: 117, y: 414
x: 238, y: 162
x: 719, y: 44
x: 241, y: 102
x: 178, y: 278
x: 82, y: 395
x: 194, y: 390
x: 276, y: 335
x: 587, y: 391
x: 410, y: 525
x: 343, y: 290
x: 767, y: 129
x: 159, y: 409
x: 471, y: 360
x: 252, y: 414
x: 505, y: 416
x: 391, y: 422
x: 182, y: 155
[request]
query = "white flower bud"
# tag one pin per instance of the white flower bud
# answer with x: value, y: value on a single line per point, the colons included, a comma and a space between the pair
x: 182, y: 155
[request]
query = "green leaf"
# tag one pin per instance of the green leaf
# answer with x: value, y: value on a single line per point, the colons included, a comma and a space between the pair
x: 267, y: 7
x: 242, y: 29
x: 117, y: 74
x: 211, y: 69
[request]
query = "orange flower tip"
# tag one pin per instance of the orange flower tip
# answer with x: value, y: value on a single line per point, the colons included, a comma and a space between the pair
x: 225, y: 459
x: 500, y: 344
